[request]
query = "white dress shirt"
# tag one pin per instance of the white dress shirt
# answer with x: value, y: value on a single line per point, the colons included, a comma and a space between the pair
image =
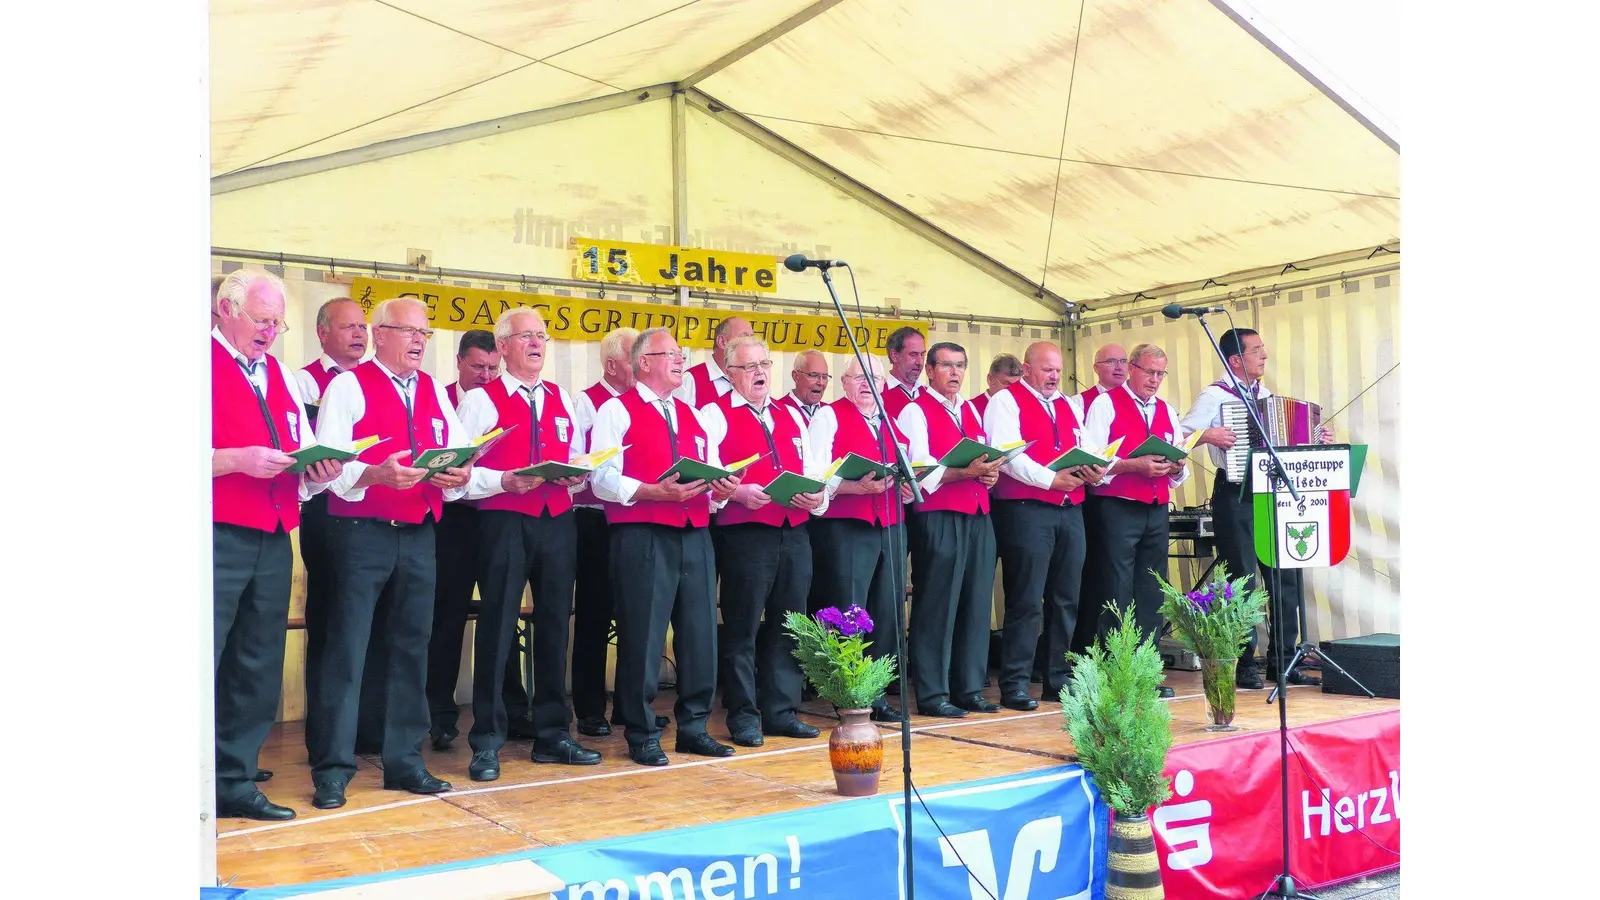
x: 1097, y: 426
x: 343, y: 405
x: 1207, y: 413
x: 914, y: 423
x: 478, y: 416
x: 1002, y: 421
x: 584, y: 412
x: 301, y: 435
x: 719, y: 380
x: 308, y: 385
x: 825, y: 427
x: 611, y: 422
x: 716, y: 426
x: 810, y: 409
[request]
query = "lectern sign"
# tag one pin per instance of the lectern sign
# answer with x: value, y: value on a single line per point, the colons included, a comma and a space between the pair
x: 1314, y: 529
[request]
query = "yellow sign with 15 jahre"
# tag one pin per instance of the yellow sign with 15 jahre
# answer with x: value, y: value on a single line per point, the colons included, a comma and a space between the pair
x: 622, y: 262
x: 584, y: 319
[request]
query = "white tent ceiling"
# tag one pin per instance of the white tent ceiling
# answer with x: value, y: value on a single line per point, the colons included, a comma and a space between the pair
x: 1094, y: 149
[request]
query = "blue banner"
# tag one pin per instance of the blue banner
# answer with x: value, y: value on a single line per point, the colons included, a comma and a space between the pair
x: 1038, y: 836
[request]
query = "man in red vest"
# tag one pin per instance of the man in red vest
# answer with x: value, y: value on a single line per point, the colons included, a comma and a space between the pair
x: 1038, y: 526
x: 342, y: 334
x: 765, y: 550
x: 1133, y: 496
x: 594, y: 606
x: 257, y: 418
x: 456, y: 546
x: 1111, y: 371
x: 858, y: 547
x: 663, y: 571
x: 528, y: 538
x: 1004, y: 370
x: 810, y: 378
x: 383, y: 512
x: 705, y: 382
x: 952, y: 547
x: 905, y: 349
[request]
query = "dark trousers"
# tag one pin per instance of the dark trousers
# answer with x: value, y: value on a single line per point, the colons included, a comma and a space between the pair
x: 765, y: 570
x: 1133, y: 545
x: 592, y: 616
x: 854, y: 562
x: 250, y: 575
x: 317, y: 557
x: 1087, y: 630
x: 520, y: 550
x: 953, y: 555
x: 385, y: 573
x: 664, y: 576
x: 1234, y: 522
x: 1041, y: 550
x: 456, y: 543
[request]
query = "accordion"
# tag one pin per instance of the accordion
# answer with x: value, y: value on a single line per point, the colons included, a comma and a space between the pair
x: 1288, y: 423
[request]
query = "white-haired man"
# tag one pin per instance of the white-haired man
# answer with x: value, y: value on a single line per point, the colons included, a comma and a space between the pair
x: 663, y: 569
x: 257, y: 417
x: 1131, y: 501
x: 764, y: 550
x: 384, y: 512
x: 528, y: 539
x: 707, y: 381
x: 810, y: 377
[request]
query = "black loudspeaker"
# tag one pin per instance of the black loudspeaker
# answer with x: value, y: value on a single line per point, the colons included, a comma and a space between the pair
x: 1373, y: 660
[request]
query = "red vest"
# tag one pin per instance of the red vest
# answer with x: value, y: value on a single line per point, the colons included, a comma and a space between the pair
x: 705, y: 390
x: 386, y: 416
x: 1049, y: 441
x: 854, y: 436
x: 980, y: 403
x: 598, y: 394
x: 649, y: 454
x: 1129, y: 425
x: 1088, y: 397
x: 789, y: 401
x: 896, y: 399
x: 515, y: 450
x: 321, y: 376
x: 965, y: 496
x: 236, y: 421
x: 746, y: 437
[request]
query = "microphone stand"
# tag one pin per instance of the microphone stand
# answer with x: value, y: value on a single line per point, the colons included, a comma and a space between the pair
x: 897, y: 564
x: 1283, y: 885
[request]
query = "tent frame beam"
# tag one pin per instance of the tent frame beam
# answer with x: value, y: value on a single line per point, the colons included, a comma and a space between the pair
x: 254, y: 177
x: 905, y: 218
x: 759, y: 41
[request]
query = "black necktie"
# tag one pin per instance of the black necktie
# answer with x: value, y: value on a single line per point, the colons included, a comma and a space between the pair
x: 249, y: 370
x: 411, y: 431
x: 771, y: 445
x: 672, y: 433
x: 533, y: 422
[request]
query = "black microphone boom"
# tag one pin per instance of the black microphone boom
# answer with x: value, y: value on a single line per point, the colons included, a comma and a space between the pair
x: 1174, y: 311
x: 799, y: 263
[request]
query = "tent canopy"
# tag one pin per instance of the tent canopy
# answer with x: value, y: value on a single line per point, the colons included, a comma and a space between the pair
x: 1067, y: 151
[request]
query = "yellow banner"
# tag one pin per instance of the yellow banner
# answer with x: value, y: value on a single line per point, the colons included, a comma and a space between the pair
x: 621, y: 262
x: 582, y: 319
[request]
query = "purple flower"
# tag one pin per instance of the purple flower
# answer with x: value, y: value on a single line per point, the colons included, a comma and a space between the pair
x: 832, y: 618
x: 1227, y: 591
x: 857, y: 618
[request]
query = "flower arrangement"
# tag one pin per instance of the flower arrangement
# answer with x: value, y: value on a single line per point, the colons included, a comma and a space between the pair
x: 832, y: 651
x: 1214, y: 620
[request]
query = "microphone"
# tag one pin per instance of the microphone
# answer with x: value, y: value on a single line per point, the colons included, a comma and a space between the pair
x: 1174, y: 311
x: 799, y: 263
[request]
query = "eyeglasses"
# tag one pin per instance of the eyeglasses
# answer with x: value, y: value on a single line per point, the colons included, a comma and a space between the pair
x: 878, y: 378
x: 410, y: 333
x: 527, y: 337
x: 1119, y: 361
x: 278, y: 325
x: 823, y: 376
x: 1153, y: 373
x: 951, y: 366
x: 673, y: 355
x: 763, y: 365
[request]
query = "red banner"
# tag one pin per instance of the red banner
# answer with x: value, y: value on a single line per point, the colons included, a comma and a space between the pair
x: 1221, y: 833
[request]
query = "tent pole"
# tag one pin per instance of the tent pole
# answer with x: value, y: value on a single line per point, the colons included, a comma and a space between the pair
x: 680, y: 180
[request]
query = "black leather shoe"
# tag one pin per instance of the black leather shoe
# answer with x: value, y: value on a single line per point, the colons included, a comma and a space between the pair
x: 793, y: 729
x: 1019, y: 700
x: 418, y: 782
x: 1048, y: 694
x: 885, y: 713
x: 485, y: 766
x: 1248, y: 678
x: 565, y: 751
x: 521, y: 729
x: 263, y: 775
x: 648, y: 754
x: 702, y: 744
x: 976, y: 703
x: 945, y: 710
x: 1296, y: 676
x: 255, y: 806
x: 443, y: 738
x: 748, y: 736
x: 328, y: 796
x: 1163, y: 691
x: 594, y: 726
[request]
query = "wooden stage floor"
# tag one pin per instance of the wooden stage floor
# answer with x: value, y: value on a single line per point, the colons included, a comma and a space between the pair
x: 534, y: 806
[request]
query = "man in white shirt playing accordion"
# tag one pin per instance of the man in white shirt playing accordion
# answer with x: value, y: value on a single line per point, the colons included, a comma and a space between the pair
x: 1246, y: 354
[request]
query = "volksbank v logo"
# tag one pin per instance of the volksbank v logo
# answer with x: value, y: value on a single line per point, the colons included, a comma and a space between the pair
x: 1035, y: 849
